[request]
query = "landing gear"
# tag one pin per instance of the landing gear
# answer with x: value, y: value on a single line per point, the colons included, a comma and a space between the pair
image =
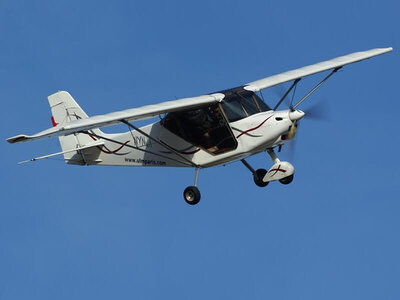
x: 281, y: 171
x: 258, y: 177
x: 192, y: 194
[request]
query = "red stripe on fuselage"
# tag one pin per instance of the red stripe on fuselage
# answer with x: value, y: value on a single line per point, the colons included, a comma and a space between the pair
x: 254, y: 128
x: 114, y: 151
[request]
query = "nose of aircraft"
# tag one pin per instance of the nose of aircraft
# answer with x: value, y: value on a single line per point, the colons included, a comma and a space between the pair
x: 296, y: 115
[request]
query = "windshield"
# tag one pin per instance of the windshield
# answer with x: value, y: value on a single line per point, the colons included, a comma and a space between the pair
x: 239, y: 105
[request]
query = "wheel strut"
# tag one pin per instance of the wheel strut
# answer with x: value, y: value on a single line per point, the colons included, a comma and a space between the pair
x: 273, y: 156
x: 247, y: 165
x: 196, y: 176
x: 258, y: 174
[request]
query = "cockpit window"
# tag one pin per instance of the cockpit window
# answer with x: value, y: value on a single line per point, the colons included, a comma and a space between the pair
x: 248, y: 104
x: 234, y: 110
x: 261, y: 104
x: 239, y: 105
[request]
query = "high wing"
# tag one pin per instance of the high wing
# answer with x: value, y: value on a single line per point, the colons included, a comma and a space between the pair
x: 338, y: 62
x: 133, y: 114
x: 149, y: 111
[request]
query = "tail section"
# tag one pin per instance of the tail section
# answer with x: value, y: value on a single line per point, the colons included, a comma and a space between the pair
x: 65, y: 109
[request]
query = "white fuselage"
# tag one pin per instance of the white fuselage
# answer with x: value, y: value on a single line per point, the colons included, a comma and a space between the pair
x: 253, y: 134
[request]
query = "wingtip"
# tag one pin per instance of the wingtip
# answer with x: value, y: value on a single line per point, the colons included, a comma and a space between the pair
x: 382, y: 50
x: 387, y: 49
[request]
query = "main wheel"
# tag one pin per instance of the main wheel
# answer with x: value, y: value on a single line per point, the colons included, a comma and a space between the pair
x: 258, y: 177
x: 287, y: 180
x: 192, y: 195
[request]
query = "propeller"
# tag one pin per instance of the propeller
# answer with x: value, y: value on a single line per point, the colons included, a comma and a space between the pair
x: 320, y: 111
x: 290, y: 146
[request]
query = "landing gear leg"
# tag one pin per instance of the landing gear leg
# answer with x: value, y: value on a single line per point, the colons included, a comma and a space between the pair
x: 258, y: 175
x: 192, y: 194
x: 273, y: 156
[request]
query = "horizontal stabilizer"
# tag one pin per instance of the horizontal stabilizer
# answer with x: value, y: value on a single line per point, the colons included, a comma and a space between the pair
x: 98, y: 143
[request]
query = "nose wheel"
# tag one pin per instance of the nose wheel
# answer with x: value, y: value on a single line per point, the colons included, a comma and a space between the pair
x: 281, y: 171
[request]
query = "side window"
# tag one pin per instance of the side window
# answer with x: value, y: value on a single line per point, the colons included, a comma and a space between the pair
x: 204, y: 127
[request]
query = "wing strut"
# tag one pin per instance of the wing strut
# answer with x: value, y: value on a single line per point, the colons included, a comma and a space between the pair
x: 287, y: 93
x: 161, y: 143
x: 136, y: 148
x: 315, y: 88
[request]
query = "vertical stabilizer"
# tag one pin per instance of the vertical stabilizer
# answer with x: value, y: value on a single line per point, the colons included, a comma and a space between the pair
x: 65, y: 109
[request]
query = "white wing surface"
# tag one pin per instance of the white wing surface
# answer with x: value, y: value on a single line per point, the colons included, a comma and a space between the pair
x: 150, y: 111
x: 133, y: 114
x: 341, y: 61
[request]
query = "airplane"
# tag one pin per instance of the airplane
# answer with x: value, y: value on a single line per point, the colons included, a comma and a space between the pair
x: 198, y: 132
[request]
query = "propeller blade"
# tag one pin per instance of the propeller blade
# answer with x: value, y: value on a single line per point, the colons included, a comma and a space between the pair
x: 290, y: 146
x: 290, y: 149
x: 320, y: 111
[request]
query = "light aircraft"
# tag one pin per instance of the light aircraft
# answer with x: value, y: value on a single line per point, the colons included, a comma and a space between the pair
x: 198, y: 132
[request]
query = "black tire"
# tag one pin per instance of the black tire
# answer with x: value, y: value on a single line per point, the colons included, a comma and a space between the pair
x: 258, y: 177
x: 192, y: 195
x: 287, y: 180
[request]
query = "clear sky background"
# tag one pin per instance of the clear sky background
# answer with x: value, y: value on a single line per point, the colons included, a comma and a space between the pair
x: 70, y: 232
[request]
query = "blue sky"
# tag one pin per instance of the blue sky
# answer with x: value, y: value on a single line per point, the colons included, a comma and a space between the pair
x: 69, y: 232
